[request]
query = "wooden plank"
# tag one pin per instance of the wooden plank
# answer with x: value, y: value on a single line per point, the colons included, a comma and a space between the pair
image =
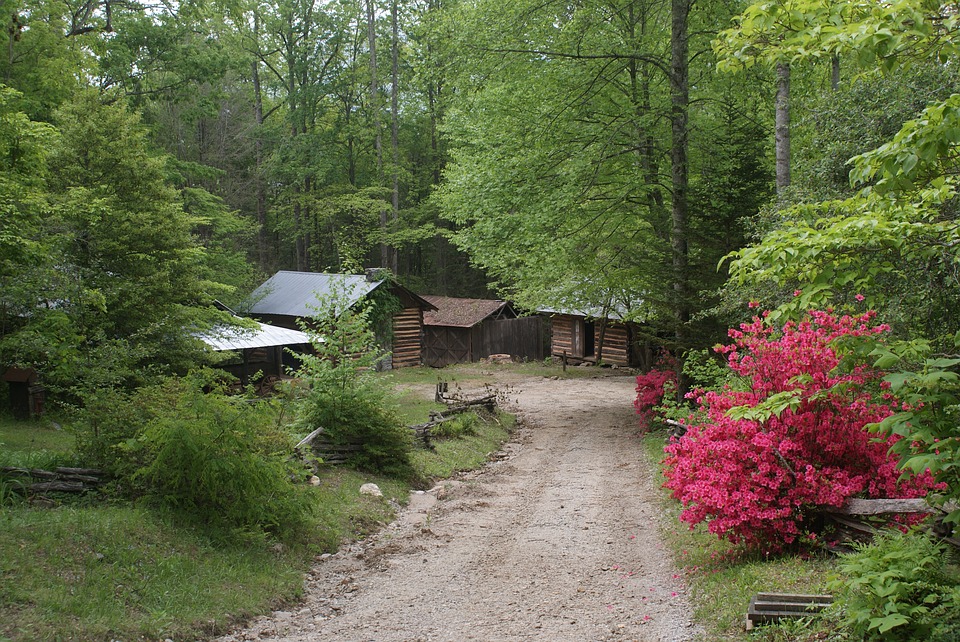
x: 883, y: 506
x: 765, y: 608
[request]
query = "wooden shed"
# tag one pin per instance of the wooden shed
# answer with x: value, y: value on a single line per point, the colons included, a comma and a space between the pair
x: 467, y: 330
x: 287, y: 297
x: 583, y: 337
x: 27, y: 396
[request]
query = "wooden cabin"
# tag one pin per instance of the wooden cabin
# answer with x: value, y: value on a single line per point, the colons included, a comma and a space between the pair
x: 584, y: 338
x: 287, y: 297
x: 466, y: 330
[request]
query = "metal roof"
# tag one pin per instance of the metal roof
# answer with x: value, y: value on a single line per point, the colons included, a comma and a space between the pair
x: 295, y: 294
x: 591, y: 313
x: 460, y: 313
x: 263, y: 336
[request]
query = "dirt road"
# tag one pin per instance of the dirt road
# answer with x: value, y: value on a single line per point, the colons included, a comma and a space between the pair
x: 555, y: 540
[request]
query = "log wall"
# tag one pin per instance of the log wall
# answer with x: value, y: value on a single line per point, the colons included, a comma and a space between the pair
x: 407, y: 338
x: 561, y: 337
x: 616, y: 344
x: 565, y: 338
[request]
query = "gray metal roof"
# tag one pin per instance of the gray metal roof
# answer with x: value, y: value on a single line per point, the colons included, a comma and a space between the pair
x: 591, y: 313
x: 296, y: 293
x: 264, y: 336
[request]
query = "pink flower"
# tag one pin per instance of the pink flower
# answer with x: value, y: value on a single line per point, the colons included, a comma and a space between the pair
x: 750, y: 481
x: 859, y: 297
x: 797, y: 292
x: 753, y: 304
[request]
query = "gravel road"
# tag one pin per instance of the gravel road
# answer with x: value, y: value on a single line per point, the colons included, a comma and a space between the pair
x: 556, y: 539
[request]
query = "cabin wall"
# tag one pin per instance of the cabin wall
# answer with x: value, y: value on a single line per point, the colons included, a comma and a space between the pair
x: 616, y: 344
x: 573, y: 336
x: 562, y: 338
x: 407, y: 338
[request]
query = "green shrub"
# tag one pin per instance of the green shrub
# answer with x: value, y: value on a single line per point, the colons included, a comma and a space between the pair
x: 344, y: 396
x: 463, y: 425
x: 899, y: 588
x: 217, y: 459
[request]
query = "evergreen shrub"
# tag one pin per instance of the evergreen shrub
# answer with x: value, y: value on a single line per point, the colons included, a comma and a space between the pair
x: 220, y: 460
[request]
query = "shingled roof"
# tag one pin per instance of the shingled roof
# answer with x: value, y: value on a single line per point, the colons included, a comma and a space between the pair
x: 461, y: 313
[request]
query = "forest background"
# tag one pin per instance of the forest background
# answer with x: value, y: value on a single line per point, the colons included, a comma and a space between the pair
x: 603, y: 155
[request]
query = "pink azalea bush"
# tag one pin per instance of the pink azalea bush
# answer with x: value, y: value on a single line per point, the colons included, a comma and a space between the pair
x: 755, y: 478
x: 651, y: 386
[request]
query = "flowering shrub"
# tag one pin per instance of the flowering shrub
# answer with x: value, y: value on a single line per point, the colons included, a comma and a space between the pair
x: 756, y: 461
x: 651, y: 388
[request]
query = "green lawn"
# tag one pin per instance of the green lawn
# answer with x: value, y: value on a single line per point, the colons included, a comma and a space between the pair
x: 34, y: 435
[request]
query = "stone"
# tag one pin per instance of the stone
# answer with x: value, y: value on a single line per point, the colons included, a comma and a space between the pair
x: 371, y: 489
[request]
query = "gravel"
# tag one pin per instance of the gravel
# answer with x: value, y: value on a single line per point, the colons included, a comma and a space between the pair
x: 557, y: 538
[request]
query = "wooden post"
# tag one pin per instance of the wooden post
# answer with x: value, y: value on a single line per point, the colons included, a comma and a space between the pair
x: 564, y: 360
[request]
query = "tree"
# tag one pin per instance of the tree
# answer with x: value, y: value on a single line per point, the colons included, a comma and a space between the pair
x: 902, y: 214
x: 572, y: 180
x: 122, y: 284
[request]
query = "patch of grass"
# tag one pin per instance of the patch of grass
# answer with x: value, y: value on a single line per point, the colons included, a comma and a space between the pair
x: 722, y: 577
x: 83, y: 572
x: 124, y: 572
x: 425, y: 376
x: 344, y: 514
x: 28, y: 443
x: 466, y: 452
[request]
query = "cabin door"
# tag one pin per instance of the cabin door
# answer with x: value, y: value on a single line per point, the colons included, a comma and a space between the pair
x: 576, y: 338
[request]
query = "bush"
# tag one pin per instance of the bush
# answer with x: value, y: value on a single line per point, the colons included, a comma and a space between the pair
x: 652, y: 386
x: 219, y: 460
x: 899, y: 588
x: 343, y: 394
x: 755, y: 463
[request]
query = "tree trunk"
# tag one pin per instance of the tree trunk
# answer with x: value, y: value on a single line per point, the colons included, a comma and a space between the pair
x: 395, y: 126
x: 835, y: 73
x: 375, y: 112
x: 261, y: 196
x: 680, y: 101
x: 783, y: 127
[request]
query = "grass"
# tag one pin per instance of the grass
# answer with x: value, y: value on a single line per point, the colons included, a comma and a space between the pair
x: 722, y: 577
x: 32, y: 436
x: 120, y: 571
x: 465, y: 452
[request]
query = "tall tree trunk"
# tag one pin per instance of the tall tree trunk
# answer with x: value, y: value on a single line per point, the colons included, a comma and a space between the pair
x: 261, y: 196
x: 783, y: 127
x: 395, y: 125
x: 375, y: 107
x: 680, y: 102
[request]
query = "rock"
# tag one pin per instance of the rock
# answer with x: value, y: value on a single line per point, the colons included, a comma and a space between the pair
x: 371, y: 489
x: 314, y: 480
x: 500, y: 358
